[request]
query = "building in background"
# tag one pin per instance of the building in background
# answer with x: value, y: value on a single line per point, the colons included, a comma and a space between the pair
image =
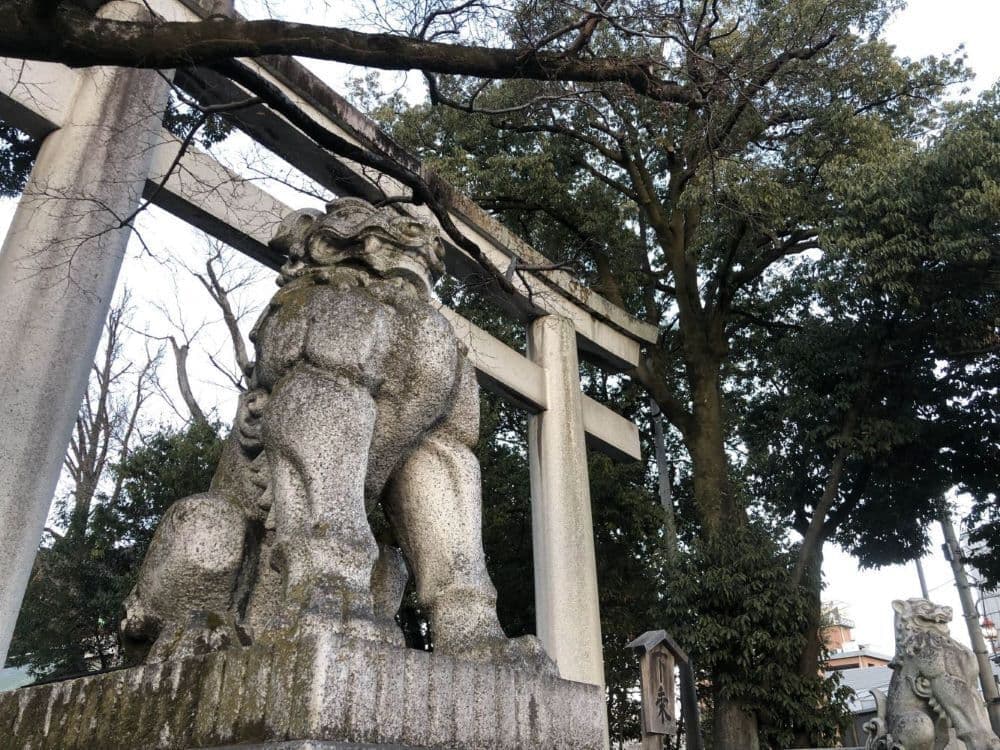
x: 859, y: 668
x: 989, y: 611
x: 987, y: 602
x: 843, y: 652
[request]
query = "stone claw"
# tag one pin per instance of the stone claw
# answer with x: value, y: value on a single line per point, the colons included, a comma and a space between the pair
x: 524, y: 654
x: 204, y: 633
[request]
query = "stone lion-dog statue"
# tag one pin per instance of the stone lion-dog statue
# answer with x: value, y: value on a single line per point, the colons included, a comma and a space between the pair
x: 933, y: 702
x: 362, y: 397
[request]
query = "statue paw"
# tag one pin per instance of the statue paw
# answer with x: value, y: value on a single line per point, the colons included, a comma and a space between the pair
x: 204, y: 633
x: 523, y: 654
x: 528, y: 653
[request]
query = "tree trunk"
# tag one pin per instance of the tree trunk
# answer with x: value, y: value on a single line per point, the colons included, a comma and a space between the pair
x: 809, y: 660
x: 706, y: 445
x: 83, y: 498
x: 733, y: 728
x: 809, y: 666
x: 180, y: 358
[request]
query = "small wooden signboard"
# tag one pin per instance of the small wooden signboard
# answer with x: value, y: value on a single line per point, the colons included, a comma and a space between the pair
x: 658, y: 656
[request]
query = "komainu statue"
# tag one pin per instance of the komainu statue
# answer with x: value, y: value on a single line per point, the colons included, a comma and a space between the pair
x: 933, y: 701
x: 362, y: 398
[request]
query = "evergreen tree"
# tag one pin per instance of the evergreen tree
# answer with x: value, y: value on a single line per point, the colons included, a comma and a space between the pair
x: 68, y: 623
x: 831, y: 268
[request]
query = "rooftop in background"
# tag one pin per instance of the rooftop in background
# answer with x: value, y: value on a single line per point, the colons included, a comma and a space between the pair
x: 837, y: 614
x: 862, y: 658
x: 862, y: 681
x: 839, y: 642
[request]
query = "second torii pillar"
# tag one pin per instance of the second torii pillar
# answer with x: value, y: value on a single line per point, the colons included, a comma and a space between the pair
x: 567, y: 611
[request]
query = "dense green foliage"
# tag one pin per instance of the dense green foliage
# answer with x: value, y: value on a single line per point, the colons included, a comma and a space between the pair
x: 731, y: 591
x: 897, y: 322
x: 17, y: 155
x: 69, y: 620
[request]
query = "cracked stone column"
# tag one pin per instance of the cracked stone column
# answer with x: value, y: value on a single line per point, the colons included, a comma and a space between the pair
x: 567, y: 612
x: 58, y: 267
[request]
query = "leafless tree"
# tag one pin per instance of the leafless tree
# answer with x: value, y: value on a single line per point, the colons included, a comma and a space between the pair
x: 109, y: 419
x: 226, y: 279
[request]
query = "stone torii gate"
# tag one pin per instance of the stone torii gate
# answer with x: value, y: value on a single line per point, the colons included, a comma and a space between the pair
x: 104, y: 149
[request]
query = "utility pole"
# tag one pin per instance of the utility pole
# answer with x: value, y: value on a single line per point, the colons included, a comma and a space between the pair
x: 663, y: 471
x: 954, y: 554
x: 923, y: 581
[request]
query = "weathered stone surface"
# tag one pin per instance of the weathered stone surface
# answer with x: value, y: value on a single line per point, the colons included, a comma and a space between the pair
x: 566, y: 602
x: 310, y: 745
x: 322, y: 690
x: 933, y: 700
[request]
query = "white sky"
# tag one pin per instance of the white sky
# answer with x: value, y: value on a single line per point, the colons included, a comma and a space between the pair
x: 925, y: 27
x: 936, y: 27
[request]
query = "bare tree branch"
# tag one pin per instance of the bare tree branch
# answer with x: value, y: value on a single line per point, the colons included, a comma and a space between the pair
x: 220, y: 295
x: 78, y: 39
x: 183, y: 383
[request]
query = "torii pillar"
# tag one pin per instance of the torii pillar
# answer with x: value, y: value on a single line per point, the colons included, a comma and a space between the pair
x: 567, y: 610
x: 58, y: 267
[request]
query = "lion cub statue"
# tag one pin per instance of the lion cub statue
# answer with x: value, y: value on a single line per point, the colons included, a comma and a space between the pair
x: 933, y: 701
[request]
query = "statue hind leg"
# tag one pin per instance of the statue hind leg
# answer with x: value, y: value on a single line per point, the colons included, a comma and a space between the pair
x: 434, y: 503
x: 182, y: 603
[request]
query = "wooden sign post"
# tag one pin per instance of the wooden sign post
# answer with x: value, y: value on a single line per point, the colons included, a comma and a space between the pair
x: 659, y: 654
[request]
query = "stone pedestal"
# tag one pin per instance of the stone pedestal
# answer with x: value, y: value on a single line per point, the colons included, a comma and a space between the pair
x: 321, y: 693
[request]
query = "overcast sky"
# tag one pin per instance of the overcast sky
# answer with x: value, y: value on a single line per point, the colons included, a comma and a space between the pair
x: 925, y: 27
x: 935, y: 27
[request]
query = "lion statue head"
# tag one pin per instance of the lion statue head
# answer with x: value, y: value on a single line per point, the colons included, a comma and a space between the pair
x: 353, y: 231
x: 916, y: 616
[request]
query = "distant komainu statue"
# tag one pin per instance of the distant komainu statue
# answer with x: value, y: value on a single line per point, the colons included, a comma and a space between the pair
x: 361, y: 397
x: 933, y: 702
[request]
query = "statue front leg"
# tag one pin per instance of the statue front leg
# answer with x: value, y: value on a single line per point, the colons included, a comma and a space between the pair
x: 434, y: 506
x: 317, y: 433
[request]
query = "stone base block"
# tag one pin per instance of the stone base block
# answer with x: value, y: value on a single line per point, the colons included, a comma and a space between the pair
x: 316, y: 694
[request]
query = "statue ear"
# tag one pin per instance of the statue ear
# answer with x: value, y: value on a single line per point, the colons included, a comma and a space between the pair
x: 293, y: 229
x: 898, y: 605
